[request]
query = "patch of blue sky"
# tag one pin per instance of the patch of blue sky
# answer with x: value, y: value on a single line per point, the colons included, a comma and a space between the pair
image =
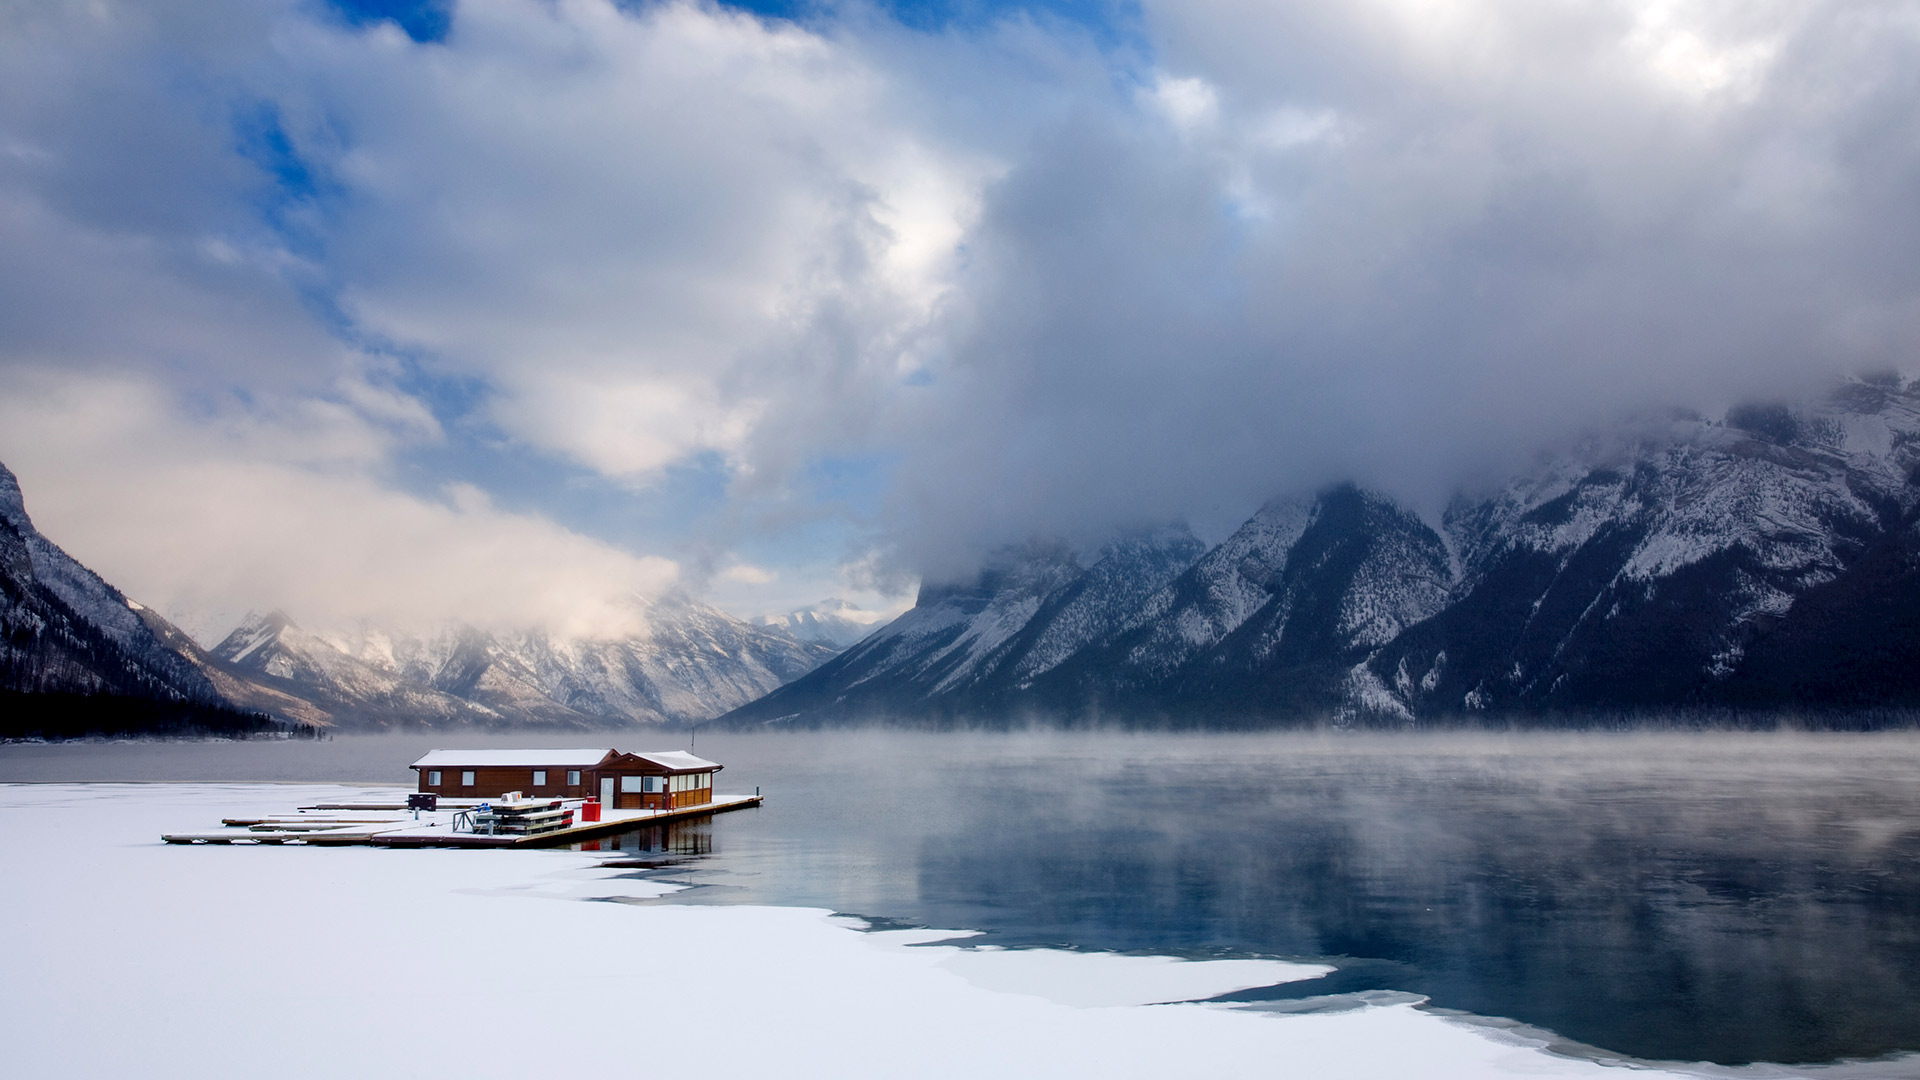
x: 855, y: 483
x: 1110, y: 21
x: 1107, y: 20
x: 454, y: 400
x: 657, y: 517
x: 294, y: 199
x: 423, y: 20
x: 208, y: 404
x: 829, y: 517
x: 264, y: 141
x: 293, y: 187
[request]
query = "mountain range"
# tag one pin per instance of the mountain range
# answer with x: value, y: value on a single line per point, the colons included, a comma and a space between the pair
x: 692, y: 663
x: 1765, y: 560
x: 78, y: 656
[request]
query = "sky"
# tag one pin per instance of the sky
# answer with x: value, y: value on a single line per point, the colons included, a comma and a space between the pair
x: 506, y: 311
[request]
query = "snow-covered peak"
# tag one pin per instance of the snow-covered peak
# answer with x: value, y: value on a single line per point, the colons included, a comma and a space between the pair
x: 13, y: 505
x: 832, y: 621
x: 692, y: 662
x: 67, y: 629
x: 255, y: 632
x: 1224, y: 588
x: 1129, y: 570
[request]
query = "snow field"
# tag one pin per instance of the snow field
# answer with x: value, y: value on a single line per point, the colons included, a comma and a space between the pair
x: 126, y: 957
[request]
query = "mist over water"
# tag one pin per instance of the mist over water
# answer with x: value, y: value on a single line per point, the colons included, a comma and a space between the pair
x: 1688, y: 897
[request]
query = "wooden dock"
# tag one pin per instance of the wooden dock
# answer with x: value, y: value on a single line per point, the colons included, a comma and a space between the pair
x: 580, y: 831
x: 435, y: 829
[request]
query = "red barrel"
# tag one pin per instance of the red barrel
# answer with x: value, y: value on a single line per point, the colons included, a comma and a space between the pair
x: 590, y: 810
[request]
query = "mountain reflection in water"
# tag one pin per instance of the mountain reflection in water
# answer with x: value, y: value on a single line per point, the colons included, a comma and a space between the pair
x: 1731, y: 898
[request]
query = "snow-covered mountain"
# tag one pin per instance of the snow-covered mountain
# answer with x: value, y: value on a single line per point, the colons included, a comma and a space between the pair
x: 80, y: 655
x: 693, y: 663
x: 1769, y: 559
x: 68, y: 630
x: 275, y: 651
x: 832, y: 622
x: 1272, y: 619
x: 979, y: 644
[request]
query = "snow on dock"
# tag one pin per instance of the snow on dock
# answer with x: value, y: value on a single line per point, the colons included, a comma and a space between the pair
x: 437, y: 828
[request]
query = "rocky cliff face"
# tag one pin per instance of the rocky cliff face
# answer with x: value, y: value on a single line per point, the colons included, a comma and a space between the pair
x: 1767, y: 560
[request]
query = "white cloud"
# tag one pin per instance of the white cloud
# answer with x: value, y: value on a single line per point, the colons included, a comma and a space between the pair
x: 627, y: 230
x: 1678, y: 43
x: 1187, y: 103
x: 635, y: 226
x: 866, y: 589
x: 193, y: 517
x: 748, y: 574
x: 1049, y: 288
x: 622, y: 423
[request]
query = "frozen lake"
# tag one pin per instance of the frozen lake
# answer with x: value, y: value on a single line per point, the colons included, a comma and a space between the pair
x: 1730, y: 898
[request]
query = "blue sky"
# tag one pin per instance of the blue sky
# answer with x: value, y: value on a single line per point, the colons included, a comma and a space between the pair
x: 428, y: 20
x: 510, y: 310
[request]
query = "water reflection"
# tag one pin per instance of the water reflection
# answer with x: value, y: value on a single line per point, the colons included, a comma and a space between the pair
x: 1720, y: 898
x: 690, y: 836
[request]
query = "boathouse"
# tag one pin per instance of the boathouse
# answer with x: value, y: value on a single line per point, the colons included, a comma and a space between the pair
x: 655, y: 780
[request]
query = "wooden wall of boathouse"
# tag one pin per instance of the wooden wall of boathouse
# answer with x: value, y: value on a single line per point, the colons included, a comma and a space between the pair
x: 492, y: 781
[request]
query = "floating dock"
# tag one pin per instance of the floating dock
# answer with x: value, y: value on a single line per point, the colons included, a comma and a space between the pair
x: 434, y: 828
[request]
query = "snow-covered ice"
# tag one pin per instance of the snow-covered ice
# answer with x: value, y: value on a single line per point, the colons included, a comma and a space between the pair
x: 125, y: 957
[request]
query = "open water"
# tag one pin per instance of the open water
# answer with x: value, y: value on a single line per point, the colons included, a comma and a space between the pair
x: 1684, y: 897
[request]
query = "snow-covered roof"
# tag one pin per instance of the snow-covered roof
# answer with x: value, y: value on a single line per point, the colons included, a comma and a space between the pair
x: 469, y: 759
x: 677, y: 760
